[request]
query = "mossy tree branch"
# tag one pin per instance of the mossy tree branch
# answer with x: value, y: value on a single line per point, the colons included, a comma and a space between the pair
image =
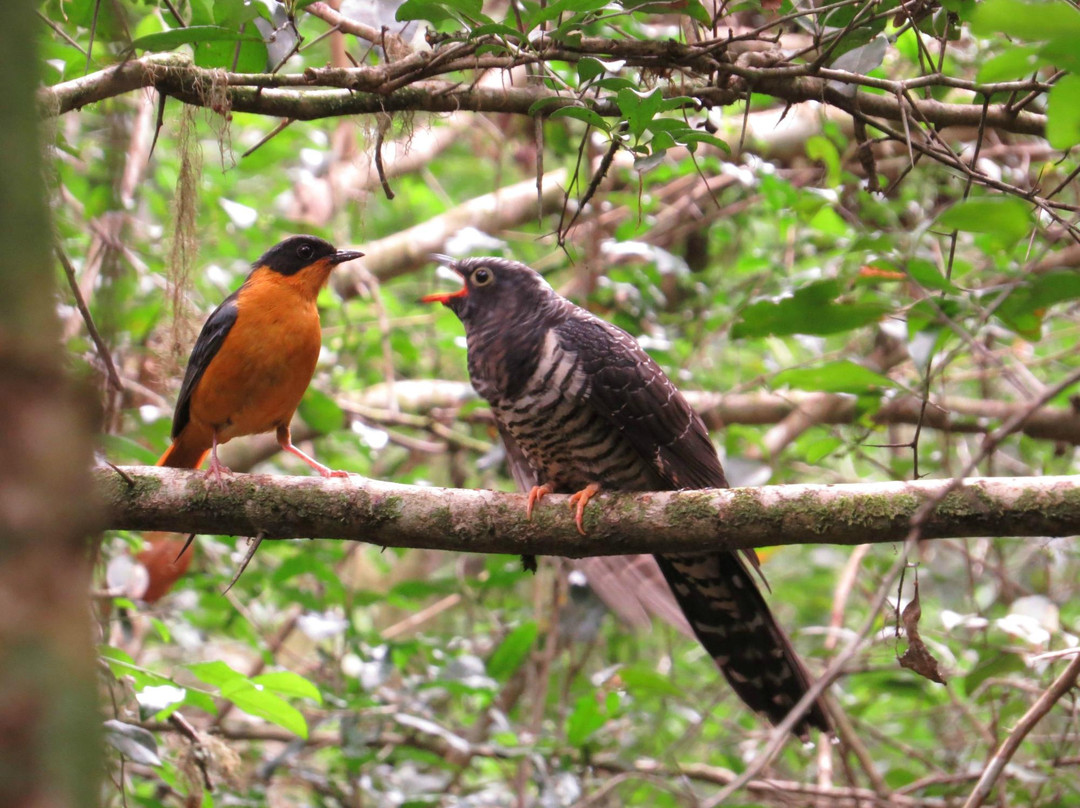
x: 359, y: 509
x: 400, y: 86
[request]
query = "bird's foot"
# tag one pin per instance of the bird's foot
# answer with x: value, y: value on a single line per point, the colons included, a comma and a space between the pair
x: 215, y: 470
x: 536, y: 493
x: 579, y: 501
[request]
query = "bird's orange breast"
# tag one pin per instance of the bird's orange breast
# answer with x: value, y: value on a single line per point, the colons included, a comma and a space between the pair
x: 255, y: 382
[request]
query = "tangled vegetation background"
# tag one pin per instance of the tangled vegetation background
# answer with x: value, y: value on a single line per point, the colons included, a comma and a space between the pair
x: 849, y: 230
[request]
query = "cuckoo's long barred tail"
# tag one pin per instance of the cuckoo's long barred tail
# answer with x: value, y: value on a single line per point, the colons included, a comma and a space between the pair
x: 580, y: 402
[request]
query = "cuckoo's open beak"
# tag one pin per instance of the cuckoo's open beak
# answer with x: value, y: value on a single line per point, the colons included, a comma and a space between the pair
x: 444, y: 297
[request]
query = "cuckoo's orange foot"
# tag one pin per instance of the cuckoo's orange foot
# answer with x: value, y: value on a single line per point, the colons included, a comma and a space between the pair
x: 581, y: 499
x: 536, y: 493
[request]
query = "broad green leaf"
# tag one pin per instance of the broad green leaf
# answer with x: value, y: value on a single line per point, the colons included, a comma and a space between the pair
x: 578, y: 8
x: 817, y: 450
x: 512, y: 651
x: 584, y: 720
x: 1028, y: 20
x: 1007, y: 217
x: 436, y: 12
x: 841, y: 376
x: 215, y: 673
x: 691, y: 137
x: 644, y: 682
x: 260, y: 702
x: 928, y: 276
x: 582, y: 114
x: 811, y: 310
x: 1023, y: 310
x: 588, y: 68
x: 321, y: 412
x: 169, y: 40
x: 639, y: 108
x: 287, y: 683
x: 1063, y: 113
x: 1016, y: 62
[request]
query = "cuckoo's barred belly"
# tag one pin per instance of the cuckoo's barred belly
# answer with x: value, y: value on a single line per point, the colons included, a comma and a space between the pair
x: 567, y: 444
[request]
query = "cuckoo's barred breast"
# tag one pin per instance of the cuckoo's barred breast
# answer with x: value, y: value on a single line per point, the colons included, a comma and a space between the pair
x: 585, y: 404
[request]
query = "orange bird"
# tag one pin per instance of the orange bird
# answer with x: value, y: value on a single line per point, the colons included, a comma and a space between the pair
x: 255, y: 357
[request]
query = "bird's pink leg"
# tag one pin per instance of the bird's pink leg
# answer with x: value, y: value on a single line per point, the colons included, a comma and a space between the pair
x: 285, y: 441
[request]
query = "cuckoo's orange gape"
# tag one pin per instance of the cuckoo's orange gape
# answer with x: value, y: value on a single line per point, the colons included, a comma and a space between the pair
x: 255, y: 357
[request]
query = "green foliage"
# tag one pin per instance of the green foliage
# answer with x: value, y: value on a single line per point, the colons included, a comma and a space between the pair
x: 753, y: 262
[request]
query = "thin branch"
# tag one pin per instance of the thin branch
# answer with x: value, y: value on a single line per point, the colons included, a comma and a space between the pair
x: 1062, y: 685
x: 95, y: 335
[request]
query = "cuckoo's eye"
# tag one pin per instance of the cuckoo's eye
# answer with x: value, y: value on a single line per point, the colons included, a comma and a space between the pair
x: 482, y: 277
x: 305, y: 251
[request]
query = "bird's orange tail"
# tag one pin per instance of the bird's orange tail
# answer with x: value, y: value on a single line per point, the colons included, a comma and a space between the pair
x: 163, y: 566
x: 188, y: 451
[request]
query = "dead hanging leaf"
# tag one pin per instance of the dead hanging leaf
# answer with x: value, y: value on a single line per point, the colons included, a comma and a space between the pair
x: 917, y: 657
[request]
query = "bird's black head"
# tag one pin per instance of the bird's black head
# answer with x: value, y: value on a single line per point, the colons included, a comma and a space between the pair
x: 299, y: 252
x: 495, y: 287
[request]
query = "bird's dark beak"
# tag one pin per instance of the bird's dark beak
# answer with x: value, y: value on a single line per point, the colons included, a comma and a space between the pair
x: 341, y: 256
x: 445, y: 297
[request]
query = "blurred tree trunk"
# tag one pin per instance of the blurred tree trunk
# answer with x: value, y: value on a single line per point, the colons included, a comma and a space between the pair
x: 49, y: 742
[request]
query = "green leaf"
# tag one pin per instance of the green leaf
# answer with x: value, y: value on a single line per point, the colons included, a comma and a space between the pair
x: 512, y: 651
x: 168, y: 40
x: 588, y: 69
x: 260, y: 702
x: 691, y: 137
x: 437, y: 12
x: 817, y: 450
x: 928, y: 276
x: 121, y: 664
x: 1023, y: 310
x: 645, y: 682
x: 215, y: 673
x: 1029, y: 20
x: 1007, y: 218
x: 287, y: 683
x: 1015, y: 63
x: 548, y: 101
x: 321, y: 412
x: 579, y: 8
x: 639, y: 108
x: 584, y: 720
x: 582, y: 114
x: 999, y: 664
x: 1063, y: 113
x: 842, y: 376
x: 811, y: 310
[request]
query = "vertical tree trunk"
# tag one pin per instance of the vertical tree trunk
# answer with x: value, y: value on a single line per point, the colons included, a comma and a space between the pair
x: 49, y: 741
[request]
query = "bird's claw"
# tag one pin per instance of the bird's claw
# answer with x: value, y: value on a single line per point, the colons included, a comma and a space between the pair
x: 536, y: 493
x: 579, y: 501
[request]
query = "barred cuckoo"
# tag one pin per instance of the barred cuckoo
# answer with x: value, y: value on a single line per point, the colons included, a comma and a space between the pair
x: 582, y: 404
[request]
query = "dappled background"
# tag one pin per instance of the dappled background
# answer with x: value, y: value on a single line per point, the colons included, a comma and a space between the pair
x: 844, y: 297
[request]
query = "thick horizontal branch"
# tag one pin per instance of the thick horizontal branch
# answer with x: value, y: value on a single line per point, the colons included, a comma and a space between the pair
x: 388, y: 514
x: 405, y: 86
